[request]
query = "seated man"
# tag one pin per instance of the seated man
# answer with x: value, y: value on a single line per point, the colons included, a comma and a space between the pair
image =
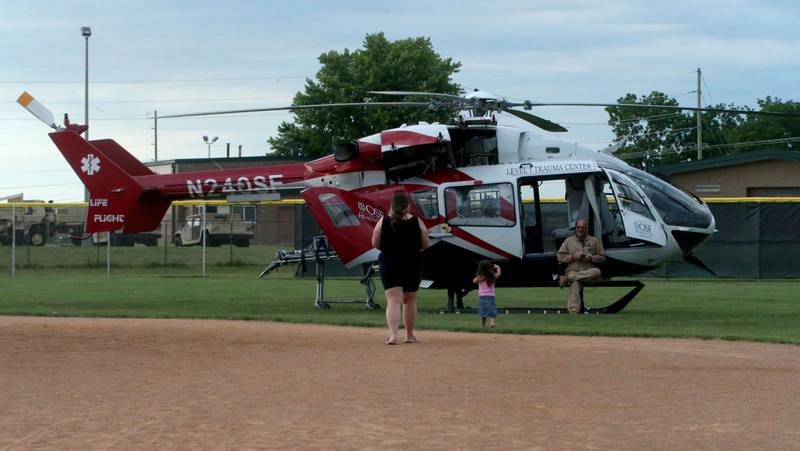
x: 581, y: 253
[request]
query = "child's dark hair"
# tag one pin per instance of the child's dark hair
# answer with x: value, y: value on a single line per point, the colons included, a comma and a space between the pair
x: 486, y: 270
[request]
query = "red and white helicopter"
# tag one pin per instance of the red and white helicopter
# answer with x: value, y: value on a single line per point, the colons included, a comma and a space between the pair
x: 480, y: 188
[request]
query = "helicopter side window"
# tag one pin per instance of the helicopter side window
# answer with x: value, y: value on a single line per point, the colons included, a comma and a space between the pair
x: 341, y: 215
x: 632, y: 201
x: 481, y: 205
x: 613, y: 228
x: 427, y: 203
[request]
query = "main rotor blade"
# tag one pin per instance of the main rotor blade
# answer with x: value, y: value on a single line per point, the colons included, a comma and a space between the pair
x: 666, y: 107
x: 298, y: 107
x: 37, y: 109
x: 434, y: 95
x: 542, y: 123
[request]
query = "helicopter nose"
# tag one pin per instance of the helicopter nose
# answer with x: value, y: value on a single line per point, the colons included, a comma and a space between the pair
x: 689, y: 238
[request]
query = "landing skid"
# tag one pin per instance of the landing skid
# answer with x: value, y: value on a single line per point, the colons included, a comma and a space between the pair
x: 319, y: 252
x: 616, y: 307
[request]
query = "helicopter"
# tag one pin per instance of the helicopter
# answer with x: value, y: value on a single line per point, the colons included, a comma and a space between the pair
x: 482, y: 189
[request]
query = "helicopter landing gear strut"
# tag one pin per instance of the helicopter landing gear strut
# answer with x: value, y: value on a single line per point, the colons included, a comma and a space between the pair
x: 320, y: 252
x: 615, y: 307
x: 366, y: 280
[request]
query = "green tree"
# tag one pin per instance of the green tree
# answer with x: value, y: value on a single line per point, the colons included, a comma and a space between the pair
x: 663, y: 136
x: 651, y: 134
x: 756, y: 128
x: 404, y: 65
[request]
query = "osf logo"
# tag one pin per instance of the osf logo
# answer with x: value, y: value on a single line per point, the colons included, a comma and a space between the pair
x: 90, y: 164
x: 369, y: 212
x: 643, y: 228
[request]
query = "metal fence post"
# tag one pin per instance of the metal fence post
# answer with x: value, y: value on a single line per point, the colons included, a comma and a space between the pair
x: 108, y: 255
x: 203, y: 231
x: 13, y: 241
x: 164, y: 225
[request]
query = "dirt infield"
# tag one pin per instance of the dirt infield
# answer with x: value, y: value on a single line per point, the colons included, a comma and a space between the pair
x: 123, y: 384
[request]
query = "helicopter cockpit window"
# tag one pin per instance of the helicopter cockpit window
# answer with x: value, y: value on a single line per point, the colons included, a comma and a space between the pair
x: 631, y: 200
x: 338, y: 211
x: 675, y: 207
x: 427, y: 203
x: 481, y: 205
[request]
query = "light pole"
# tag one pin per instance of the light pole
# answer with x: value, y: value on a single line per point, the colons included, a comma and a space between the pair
x: 210, y: 142
x: 86, y: 32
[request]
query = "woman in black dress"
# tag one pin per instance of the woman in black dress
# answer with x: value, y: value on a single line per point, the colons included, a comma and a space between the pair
x: 400, y: 237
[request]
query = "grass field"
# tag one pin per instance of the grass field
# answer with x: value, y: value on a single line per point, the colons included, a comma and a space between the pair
x: 141, y: 287
x: 68, y: 256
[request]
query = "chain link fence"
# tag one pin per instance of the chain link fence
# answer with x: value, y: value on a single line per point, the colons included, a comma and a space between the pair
x: 755, y: 239
x: 193, y: 237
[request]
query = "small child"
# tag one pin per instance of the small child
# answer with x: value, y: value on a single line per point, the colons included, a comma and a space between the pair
x: 486, y: 277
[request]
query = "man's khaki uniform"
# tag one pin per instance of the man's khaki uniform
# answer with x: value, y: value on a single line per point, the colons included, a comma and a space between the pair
x: 577, y: 271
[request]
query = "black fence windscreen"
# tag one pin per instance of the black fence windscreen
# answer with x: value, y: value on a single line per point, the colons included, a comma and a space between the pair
x: 754, y: 240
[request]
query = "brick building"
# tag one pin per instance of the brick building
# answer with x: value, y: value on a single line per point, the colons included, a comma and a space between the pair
x: 767, y: 173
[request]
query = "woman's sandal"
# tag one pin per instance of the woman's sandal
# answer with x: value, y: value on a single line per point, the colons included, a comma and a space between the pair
x: 390, y: 342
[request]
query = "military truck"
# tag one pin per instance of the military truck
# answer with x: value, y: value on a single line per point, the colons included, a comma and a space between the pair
x: 149, y: 239
x: 32, y: 225
x: 221, y: 228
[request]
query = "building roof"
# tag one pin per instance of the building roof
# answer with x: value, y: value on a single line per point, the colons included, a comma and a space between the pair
x: 728, y: 160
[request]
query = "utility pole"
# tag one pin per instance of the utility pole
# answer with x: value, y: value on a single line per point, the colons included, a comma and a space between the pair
x: 699, y: 119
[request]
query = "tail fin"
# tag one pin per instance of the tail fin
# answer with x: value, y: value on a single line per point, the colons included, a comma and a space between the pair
x: 121, y: 157
x: 116, y: 199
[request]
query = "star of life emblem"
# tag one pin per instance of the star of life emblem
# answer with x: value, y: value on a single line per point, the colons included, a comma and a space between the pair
x: 90, y: 164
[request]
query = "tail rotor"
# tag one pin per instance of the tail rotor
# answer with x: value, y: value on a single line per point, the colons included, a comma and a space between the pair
x: 37, y: 109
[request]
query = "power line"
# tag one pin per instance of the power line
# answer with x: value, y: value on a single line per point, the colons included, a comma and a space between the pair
x: 703, y: 79
x: 196, y: 80
x: 35, y: 186
x: 692, y: 148
x: 159, y: 101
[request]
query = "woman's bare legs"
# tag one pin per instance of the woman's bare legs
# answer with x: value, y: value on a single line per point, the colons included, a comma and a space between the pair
x: 410, y: 315
x: 394, y: 300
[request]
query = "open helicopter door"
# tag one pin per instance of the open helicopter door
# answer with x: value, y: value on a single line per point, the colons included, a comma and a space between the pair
x: 637, y: 214
x: 482, y: 218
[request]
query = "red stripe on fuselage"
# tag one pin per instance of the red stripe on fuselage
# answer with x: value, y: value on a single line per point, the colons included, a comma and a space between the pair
x: 480, y: 243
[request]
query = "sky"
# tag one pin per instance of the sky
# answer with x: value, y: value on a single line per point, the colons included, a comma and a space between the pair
x: 190, y: 56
